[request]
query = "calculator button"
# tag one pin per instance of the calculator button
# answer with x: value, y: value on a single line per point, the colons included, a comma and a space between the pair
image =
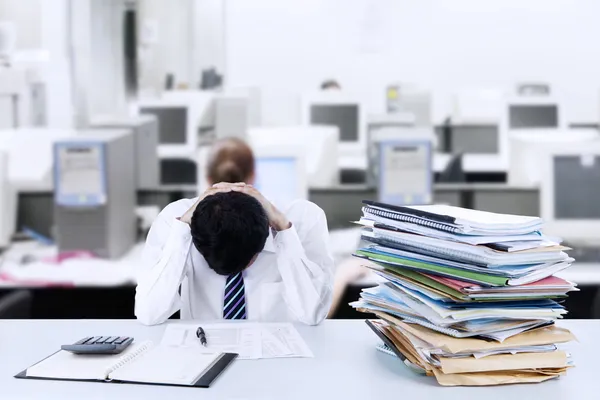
x: 111, y: 339
x: 82, y: 341
x: 121, y: 340
x: 93, y: 340
x: 101, y: 340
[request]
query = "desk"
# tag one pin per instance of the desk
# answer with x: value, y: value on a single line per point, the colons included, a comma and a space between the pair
x: 74, y: 289
x: 346, y: 366
x: 78, y: 273
x: 490, y: 163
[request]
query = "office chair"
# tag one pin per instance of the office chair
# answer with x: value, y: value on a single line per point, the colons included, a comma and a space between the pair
x: 16, y: 305
x: 454, y: 172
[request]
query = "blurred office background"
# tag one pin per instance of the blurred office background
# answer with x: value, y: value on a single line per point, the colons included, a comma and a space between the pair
x: 108, y: 109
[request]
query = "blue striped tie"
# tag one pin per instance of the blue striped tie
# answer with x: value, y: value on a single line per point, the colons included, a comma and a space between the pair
x: 234, y: 303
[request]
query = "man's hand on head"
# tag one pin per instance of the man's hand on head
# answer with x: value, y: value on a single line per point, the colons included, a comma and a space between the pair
x: 214, y: 189
x: 277, y: 219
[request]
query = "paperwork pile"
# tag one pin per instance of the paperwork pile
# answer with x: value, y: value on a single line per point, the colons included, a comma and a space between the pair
x: 469, y: 296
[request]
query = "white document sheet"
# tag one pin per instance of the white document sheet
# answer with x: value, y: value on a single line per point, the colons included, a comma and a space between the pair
x: 250, y: 340
x: 224, y: 338
x: 283, y: 340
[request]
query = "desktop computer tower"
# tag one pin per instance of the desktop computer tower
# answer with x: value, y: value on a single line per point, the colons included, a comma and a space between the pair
x: 145, y: 132
x: 95, y: 192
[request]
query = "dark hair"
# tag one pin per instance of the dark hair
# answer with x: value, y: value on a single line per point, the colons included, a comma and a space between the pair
x: 330, y: 84
x: 229, y: 229
x: 231, y: 160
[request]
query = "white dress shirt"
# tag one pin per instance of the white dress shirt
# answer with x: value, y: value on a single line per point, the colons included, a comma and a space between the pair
x: 291, y: 279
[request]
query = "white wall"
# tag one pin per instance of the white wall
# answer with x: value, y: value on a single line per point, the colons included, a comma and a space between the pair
x: 440, y: 44
x: 209, y: 31
x: 107, y: 80
x: 26, y: 14
x: 42, y: 25
x: 165, y: 42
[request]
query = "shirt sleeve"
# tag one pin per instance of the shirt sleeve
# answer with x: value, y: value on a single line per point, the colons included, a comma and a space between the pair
x: 305, y: 263
x: 163, y: 267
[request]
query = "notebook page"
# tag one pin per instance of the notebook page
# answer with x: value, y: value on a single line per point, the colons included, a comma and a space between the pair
x: 479, y: 218
x: 167, y: 365
x: 65, y: 365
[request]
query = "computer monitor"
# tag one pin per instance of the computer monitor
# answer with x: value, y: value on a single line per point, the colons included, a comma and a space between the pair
x: 471, y: 138
x: 8, y: 203
x: 570, y: 193
x: 380, y: 133
x: 416, y: 101
x: 405, y: 172
x: 474, y: 127
x: 30, y: 166
x: 280, y: 174
x: 477, y: 107
x: 336, y: 109
x: 179, y: 118
x: 145, y: 131
x: 528, y: 149
x: 232, y: 116
x: 533, y: 113
x: 318, y: 143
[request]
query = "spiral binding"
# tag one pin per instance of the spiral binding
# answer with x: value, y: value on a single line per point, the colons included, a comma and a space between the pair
x: 384, y: 348
x: 413, y: 220
x: 128, y: 357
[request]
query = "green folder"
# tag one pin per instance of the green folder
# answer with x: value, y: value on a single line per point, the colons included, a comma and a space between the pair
x: 396, y: 262
x: 399, y: 273
x: 426, y: 281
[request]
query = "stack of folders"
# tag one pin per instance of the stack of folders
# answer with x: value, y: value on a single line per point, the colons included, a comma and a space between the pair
x: 468, y: 296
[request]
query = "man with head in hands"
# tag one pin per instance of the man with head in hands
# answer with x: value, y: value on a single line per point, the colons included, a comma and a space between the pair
x: 231, y: 254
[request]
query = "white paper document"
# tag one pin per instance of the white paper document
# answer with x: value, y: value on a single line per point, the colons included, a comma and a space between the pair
x: 251, y: 341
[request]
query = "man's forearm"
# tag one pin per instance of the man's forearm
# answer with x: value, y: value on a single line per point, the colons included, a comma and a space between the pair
x: 157, y: 296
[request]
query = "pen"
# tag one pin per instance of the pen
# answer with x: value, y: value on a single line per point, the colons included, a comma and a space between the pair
x: 201, y: 335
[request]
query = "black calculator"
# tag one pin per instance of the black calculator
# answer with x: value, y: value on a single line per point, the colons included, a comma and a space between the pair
x: 99, y: 345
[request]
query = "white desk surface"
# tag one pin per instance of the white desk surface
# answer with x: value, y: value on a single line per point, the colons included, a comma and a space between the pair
x: 346, y: 366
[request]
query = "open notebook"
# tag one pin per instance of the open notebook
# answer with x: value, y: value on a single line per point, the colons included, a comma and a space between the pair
x: 140, y: 363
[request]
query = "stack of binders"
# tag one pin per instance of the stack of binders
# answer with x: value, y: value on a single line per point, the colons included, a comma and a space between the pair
x: 469, y: 297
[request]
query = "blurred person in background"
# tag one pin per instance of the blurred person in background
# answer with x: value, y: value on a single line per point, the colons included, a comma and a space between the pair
x: 231, y: 254
x: 230, y: 160
x: 331, y: 84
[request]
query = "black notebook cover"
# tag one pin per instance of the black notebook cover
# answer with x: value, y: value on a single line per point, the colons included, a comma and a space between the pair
x: 385, y: 340
x: 203, y: 382
x: 411, y: 211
